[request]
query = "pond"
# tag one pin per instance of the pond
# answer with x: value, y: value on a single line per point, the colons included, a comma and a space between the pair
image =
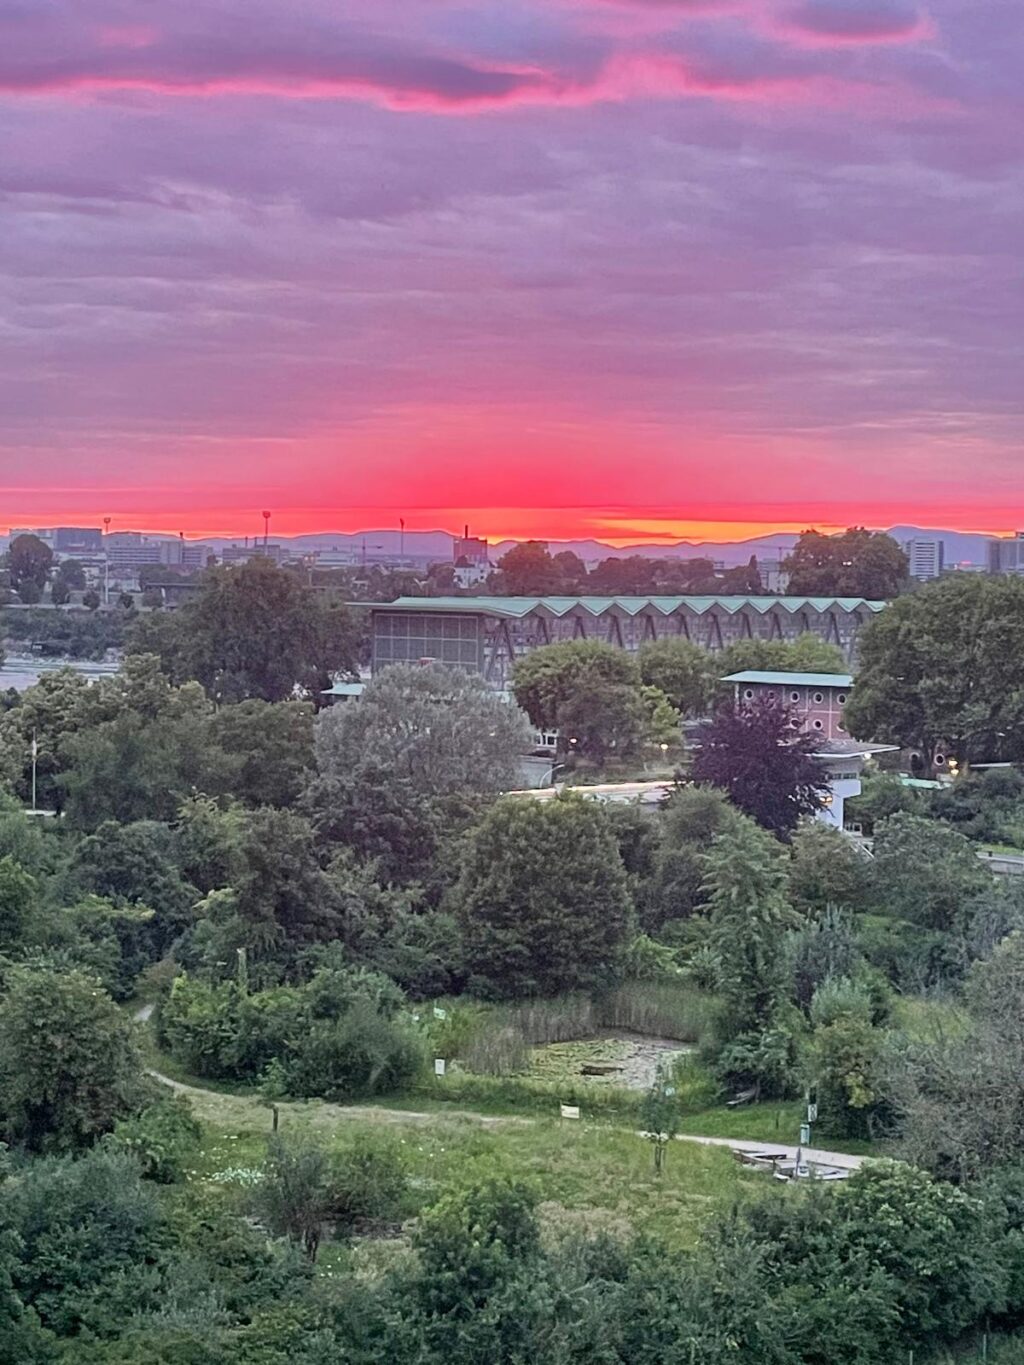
x: 609, y: 1057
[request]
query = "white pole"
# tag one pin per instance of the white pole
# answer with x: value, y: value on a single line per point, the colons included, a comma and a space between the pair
x: 35, y: 753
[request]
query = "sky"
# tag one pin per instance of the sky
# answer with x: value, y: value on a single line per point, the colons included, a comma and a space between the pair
x: 616, y: 268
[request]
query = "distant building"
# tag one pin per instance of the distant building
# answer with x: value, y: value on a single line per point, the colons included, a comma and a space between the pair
x: 241, y: 554
x: 488, y: 634
x: 817, y: 701
x: 1007, y: 556
x: 77, y: 540
x: 926, y: 559
x: 126, y: 552
x: 472, y: 560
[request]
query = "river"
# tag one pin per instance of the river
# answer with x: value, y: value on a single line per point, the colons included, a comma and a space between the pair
x: 22, y: 671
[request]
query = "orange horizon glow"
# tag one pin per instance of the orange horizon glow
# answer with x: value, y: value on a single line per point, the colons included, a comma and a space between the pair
x: 616, y: 528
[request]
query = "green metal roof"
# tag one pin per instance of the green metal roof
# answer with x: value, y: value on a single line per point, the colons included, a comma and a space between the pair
x: 344, y: 689
x: 631, y: 606
x: 782, y: 679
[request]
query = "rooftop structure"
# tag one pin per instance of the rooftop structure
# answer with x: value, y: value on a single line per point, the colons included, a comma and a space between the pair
x: 785, y: 678
x: 487, y: 634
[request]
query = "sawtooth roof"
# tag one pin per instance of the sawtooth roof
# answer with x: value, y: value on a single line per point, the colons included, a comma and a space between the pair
x: 512, y: 607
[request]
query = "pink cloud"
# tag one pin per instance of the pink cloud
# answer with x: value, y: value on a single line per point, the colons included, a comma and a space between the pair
x: 416, y: 82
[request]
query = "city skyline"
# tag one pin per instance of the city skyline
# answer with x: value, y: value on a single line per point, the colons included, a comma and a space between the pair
x: 620, y: 269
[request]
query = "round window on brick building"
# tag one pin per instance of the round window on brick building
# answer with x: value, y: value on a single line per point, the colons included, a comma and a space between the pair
x: 818, y: 725
x: 819, y: 697
x: 841, y: 698
x: 794, y: 696
x: 748, y: 694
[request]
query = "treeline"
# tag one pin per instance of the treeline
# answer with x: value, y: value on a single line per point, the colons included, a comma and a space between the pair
x: 858, y: 563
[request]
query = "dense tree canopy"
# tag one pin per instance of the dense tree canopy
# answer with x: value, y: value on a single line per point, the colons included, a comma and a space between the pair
x: 68, y: 1063
x: 588, y: 691
x: 440, y: 730
x: 29, y: 561
x: 542, y: 900
x: 253, y: 630
x: 858, y: 563
x: 682, y: 670
x: 944, y: 666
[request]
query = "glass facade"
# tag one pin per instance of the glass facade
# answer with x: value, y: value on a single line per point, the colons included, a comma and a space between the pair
x: 406, y: 637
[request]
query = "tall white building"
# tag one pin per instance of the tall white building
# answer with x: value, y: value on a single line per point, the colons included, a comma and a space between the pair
x: 927, y: 558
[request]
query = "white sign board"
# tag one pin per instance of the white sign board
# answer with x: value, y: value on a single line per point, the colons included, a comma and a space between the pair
x: 438, y: 1066
x: 569, y: 1111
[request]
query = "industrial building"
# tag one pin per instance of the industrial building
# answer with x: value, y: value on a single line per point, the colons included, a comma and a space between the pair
x: 488, y: 634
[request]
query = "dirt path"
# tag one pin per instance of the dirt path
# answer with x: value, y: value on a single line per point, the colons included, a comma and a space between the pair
x: 244, y: 1110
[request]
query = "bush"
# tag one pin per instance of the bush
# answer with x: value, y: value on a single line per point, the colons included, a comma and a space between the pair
x: 162, y: 1138
x: 368, y: 1182
x: 338, y: 1036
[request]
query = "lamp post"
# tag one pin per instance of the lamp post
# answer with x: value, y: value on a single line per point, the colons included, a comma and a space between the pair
x: 106, y: 566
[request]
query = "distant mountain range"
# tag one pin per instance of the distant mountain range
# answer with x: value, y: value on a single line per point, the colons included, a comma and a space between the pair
x: 961, y: 547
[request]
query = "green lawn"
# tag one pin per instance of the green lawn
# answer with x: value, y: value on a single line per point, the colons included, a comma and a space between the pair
x: 590, y: 1172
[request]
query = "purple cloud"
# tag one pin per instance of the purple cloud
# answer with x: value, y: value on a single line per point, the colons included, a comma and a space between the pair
x: 857, y: 21
x: 708, y: 252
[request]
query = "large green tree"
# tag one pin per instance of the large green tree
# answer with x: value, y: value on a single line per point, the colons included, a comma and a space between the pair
x: 589, y: 691
x: 691, y: 819
x: 29, y: 561
x: 48, y: 715
x: 858, y: 563
x: 924, y: 872
x: 267, y: 749
x: 682, y: 670
x: 746, y: 884
x: 808, y: 653
x: 69, y: 1067
x: 439, y: 730
x: 944, y: 666
x: 543, y: 899
x: 253, y: 630
x: 531, y: 570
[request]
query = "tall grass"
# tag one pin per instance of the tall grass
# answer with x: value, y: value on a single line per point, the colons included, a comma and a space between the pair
x: 663, y: 1009
x: 500, y: 1050
x: 496, y: 1041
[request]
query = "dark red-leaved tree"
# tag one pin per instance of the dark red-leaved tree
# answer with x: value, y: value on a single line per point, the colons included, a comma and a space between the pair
x: 755, y: 755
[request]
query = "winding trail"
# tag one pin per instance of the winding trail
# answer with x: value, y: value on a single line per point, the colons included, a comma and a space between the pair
x: 224, y: 1108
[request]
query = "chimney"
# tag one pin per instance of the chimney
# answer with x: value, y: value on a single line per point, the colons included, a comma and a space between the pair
x: 465, y: 531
